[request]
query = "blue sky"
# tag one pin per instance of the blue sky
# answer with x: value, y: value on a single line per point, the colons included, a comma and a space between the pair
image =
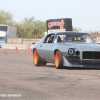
x: 85, y: 14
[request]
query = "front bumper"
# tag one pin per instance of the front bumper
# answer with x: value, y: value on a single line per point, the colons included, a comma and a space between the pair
x: 76, y: 62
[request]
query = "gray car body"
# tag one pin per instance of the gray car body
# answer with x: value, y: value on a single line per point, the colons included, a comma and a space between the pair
x: 47, y: 51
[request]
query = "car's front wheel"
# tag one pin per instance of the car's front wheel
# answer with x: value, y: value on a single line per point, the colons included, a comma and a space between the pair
x: 37, y: 60
x: 58, y: 60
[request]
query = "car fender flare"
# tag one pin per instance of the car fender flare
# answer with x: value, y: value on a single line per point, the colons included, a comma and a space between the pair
x: 65, y: 61
x: 34, y: 49
x: 57, y: 50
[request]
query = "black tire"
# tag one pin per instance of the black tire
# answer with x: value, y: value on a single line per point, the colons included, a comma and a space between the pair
x: 37, y: 60
x: 58, y: 60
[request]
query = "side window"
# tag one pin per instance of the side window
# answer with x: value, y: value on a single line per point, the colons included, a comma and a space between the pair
x: 68, y: 38
x: 49, y: 38
x: 60, y: 38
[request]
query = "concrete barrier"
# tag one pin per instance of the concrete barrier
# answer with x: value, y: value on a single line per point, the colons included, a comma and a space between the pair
x: 22, y: 41
x: 13, y: 46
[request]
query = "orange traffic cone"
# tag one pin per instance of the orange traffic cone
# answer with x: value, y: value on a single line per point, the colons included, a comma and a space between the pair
x: 5, y: 52
x: 16, y: 49
x: 28, y: 51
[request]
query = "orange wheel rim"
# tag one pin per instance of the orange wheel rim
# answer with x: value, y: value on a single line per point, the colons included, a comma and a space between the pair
x: 57, y: 59
x: 35, y: 57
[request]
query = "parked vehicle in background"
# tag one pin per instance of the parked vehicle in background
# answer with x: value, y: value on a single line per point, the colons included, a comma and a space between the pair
x: 7, y: 32
x: 2, y: 41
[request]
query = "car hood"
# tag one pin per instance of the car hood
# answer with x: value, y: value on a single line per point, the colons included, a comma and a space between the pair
x: 84, y: 46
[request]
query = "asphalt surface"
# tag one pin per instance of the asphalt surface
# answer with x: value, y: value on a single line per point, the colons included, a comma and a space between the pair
x: 21, y: 80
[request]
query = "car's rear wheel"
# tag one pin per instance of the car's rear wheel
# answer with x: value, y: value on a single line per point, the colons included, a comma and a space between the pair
x: 58, y: 60
x: 37, y: 60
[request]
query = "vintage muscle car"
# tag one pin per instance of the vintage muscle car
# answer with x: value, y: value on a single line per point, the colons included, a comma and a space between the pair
x: 66, y: 49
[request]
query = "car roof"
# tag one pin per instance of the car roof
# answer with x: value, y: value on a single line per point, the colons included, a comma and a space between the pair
x: 68, y: 32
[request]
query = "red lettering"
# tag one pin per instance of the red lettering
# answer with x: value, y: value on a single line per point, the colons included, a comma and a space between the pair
x: 60, y: 24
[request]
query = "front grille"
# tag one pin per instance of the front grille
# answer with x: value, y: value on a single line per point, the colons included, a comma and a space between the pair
x: 91, y: 55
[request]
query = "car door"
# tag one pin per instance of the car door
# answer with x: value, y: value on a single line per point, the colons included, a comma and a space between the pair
x: 46, y: 50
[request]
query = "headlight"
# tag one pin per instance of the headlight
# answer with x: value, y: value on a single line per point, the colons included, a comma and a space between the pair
x: 71, y: 51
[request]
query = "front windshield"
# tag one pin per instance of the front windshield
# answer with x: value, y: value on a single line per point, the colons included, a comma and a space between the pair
x: 77, y: 38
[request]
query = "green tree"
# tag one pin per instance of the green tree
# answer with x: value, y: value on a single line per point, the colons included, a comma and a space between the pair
x: 25, y: 26
x: 31, y: 28
x: 77, y: 29
x: 39, y: 28
x: 6, y: 18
